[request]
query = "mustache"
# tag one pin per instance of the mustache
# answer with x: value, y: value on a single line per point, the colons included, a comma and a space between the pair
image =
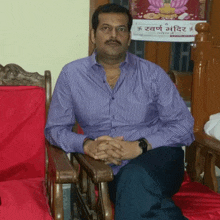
x: 113, y: 41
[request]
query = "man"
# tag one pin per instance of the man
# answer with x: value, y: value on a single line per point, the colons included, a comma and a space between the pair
x: 132, y: 117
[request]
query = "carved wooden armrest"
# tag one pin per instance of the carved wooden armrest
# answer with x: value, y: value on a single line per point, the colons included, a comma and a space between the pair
x: 205, y: 155
x: 211, y: 143
x: 97, y: 170
x: 59, y: 166
x: 59, y: 171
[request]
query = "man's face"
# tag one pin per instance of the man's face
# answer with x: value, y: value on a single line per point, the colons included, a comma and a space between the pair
x: 112, y: 37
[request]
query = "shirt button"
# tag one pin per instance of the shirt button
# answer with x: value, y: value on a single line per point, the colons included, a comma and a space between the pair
x: 103, y: 81
x: 113, y: 98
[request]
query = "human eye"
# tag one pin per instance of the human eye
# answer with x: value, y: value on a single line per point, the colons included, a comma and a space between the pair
x: 105, y: 28
x: 122, y: 29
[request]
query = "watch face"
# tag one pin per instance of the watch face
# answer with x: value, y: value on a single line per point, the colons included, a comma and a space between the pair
x: 143, y: 145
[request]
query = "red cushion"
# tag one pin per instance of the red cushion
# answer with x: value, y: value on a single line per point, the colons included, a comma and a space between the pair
x: 23, y: 200
x: 197, y: 201
x: 22, y: 119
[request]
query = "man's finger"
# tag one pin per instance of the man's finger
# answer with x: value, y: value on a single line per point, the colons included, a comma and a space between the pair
x: 100, y: 153
x: 112, y: 153
x: 101, y: 157
x: 115, y: 143
x: 104, y: 138
x: 120, y: 138
x: 107, y: 138
x: 105, y: 145
x: 112, y: 160
x: 108, y: 153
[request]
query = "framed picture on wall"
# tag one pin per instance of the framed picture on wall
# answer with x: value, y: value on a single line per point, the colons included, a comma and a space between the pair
x: 166, y: 20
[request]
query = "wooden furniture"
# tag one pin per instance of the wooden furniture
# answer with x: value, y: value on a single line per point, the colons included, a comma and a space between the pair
x: 201, y: 157
x: 205, y: 102
x: 58, y: 168
x: 183, y: 82
x: 202, y: 89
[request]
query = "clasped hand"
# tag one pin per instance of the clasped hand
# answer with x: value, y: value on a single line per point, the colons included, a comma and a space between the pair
x: 112, y: 150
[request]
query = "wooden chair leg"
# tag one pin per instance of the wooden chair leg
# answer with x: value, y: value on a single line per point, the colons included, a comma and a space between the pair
x: 104, y: 208
x: 193, y: 163
x: 210, y: 179
x: 51, y: 194
x: 58, y: 202
x: 83, y: 181
x: 91, y: 194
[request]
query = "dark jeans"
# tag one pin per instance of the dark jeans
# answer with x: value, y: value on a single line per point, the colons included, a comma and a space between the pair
x: 143, y: 188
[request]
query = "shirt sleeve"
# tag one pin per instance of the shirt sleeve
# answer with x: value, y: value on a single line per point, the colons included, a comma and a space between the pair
x: 61, y: 118
x: 176, y: 120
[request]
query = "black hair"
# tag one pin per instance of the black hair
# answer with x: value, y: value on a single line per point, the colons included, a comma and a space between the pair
x: 110, y: 8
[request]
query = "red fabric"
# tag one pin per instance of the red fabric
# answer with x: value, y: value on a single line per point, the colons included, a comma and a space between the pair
x: 24, y: 200
x: 197, y: 201
x: 22, y: 141
x: 22, y: 154
x: 79, y: 130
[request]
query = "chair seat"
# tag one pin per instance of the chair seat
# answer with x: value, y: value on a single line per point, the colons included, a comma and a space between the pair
x: 197, y: 201
x: 24, y: 200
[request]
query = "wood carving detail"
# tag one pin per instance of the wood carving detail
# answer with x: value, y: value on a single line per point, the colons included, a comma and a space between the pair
x: 12, y: 74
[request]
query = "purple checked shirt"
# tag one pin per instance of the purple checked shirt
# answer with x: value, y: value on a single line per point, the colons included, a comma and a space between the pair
x: 144, y: 103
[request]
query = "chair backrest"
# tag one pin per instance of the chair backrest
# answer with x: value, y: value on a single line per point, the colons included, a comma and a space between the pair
x: 14, y: 75
x: 22, y: 118
x: 206, y: 77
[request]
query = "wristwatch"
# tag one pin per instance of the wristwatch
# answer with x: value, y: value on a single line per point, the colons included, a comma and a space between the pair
x: 143, y: 145
x: 87, y: 139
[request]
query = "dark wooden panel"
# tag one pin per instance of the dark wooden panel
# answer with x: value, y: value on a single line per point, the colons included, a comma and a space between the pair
x: 159, y: 53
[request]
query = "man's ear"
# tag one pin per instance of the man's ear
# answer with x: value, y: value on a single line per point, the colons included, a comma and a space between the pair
x: 92, y: 36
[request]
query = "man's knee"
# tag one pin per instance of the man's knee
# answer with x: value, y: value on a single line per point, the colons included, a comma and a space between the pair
x: 136, y: 176
x: 132, y: 171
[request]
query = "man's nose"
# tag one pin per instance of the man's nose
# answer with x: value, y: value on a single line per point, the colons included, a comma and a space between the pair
x: 114, y: 32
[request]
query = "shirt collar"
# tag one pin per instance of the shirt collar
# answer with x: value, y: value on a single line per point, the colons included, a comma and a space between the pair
x: 93, y: 59
x: 128, y: 62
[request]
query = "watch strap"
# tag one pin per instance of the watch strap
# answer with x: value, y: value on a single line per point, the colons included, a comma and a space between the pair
x: 87, y: 139
x: 143, y: 145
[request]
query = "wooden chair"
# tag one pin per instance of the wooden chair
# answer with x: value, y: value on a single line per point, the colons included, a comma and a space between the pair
x: 44, y: 170
x: 201, y: 157
x: 205, y: 102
